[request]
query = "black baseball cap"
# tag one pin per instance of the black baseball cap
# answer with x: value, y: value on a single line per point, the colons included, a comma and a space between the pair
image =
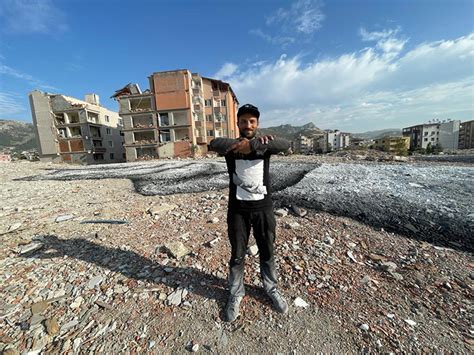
x: 248, y: 108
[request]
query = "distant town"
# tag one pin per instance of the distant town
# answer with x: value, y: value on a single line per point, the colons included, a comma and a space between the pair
x: 180, y: 114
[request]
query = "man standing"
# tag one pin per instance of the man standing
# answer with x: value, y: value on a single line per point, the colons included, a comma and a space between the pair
x: 250, y: 205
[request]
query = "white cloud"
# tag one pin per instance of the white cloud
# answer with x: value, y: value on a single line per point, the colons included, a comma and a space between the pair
x: 371, y: 88
x: 283, y: 41
x: 305, y: 16
x: 10, y: 105
x: 285, y: 25
x: 8, y: 71
x: 226, y: 70
x: 31, y: 16
x: 376, y: 36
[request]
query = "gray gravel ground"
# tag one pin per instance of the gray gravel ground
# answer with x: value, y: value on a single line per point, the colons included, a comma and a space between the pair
x: 430, y: 202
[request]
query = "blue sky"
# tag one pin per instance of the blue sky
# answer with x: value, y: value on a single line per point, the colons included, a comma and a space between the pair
x: 352, y: 65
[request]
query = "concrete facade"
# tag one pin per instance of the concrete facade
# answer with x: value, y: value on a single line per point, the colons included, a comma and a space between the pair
x: 466, y: 135
x: 177, y: 117
x: 75, y: 131
x: 444, y: 134
x: 394, y: 145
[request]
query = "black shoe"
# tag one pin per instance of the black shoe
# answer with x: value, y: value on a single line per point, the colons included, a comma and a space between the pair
x: 232, y: 309
x: 279, y: 302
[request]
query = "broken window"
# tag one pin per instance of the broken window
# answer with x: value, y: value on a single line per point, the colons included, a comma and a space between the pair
x: 144, y: 137
x: 208, y: 103
x: 62, y: 132
x: 209, y: 118
x: 93, y: 117
x: 108, y: 131
x: 164, y: 119
x: 140, y: 104
x: 111, y: 155
x: 75, y: 131
x: 165, y: 136
x: 146, y: 153
x: 97, y: 143
x: 210, y: 132
x: 59, y: 117
x: 180, y: 118
x: 73, y: 117
x: 95, y: 132
x: 142, y: 121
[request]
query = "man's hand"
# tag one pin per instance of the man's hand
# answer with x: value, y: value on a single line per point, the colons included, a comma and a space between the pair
x: 265, y: 139
x: 242, y: 146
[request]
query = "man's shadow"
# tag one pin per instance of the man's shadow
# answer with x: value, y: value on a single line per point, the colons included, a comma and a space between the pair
x: 135, y: 266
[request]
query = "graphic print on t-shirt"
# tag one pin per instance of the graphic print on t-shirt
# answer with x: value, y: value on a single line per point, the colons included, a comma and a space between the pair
x: 248, y: 177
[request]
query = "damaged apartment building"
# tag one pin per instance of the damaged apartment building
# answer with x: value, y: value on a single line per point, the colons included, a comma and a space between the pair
x: 177, y: 117
x: 76, y: 131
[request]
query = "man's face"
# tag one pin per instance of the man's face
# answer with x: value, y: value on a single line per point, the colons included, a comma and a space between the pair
x: 248, y: 125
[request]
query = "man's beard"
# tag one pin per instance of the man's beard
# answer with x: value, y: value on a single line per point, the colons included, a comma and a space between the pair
x: 248, y: 134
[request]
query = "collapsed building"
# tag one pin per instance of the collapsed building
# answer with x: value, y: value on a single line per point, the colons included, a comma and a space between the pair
x: 177, y: 117
x: 75, y: 131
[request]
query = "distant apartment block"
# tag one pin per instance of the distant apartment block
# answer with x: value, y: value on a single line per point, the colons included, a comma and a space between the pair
x: 466, y: 135
x: 393, y: 144
x: 304, y: 144
x: 444, y: 134
x: 177, y: 117
x: 75, y: 131
x: 332, y: 140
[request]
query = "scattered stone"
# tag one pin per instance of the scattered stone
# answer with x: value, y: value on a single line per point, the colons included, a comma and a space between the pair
x: 195, y: 348
x: 389, y: 266
x: 69, y: 325
x: 396, y: 275
x: 364, y: 327
x: 64, y: 218
x: 299, y: 302
x: 39, y: 307
x: 95, y: 281
x: 77, y: 302
x: 410, y: 322
x: 176, y: 297
x: 29, y: 248
x: 328, y: 240
x: 151, y: 344
x: 213, y: 220
x: 351, y: 256
x: 293, y: 225
x: 161, y: 208
x: 52, y: 326
x: 252, y: 250
x: 103, y: 304
x: 213, y: 242
x: 11, y: 228
x: 298, y: 211
x: 390, y: 315
x: 76, y: 344
x: 281, y: 212
x: 175, y: 249
x: 365, y: 280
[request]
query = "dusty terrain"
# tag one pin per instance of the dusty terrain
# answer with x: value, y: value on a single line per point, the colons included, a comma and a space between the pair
x: 71, y: 283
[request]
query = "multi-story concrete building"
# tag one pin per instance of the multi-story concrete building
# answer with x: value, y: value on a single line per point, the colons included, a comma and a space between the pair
x: 466, y: 135
x: 437, y: 134
x: 304, y: 144
x: 393, y: 144
x: 332, y: 140
x: 177, y: 117
x: 76, y: 131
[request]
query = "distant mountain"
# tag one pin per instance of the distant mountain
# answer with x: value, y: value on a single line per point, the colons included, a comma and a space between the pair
x: 378, y: 134
x: 17, y: 136
x: 290, y: 132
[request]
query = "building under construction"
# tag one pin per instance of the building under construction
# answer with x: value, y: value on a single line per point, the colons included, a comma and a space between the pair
x: 177, y: 117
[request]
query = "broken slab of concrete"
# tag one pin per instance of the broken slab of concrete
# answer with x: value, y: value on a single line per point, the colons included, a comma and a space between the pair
x: 174, y: 249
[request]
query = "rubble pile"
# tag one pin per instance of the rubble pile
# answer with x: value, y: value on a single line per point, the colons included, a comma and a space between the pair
x: 156, y: 282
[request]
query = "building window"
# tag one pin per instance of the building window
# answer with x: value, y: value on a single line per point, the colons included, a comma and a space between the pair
x: 164, y: 119
x: 209, y: 118
x: 165, y: 136
x: 425, y: 133
x: 208, y: 103
x: 426, y: 139
x: 111, y: 144
x: 121, y: 133
x: 107, y: 119
x: 432, y: 139
x: 210, y: 133
x: 112, y: 156
x: 223, y: 102
x: 124, y: 156
x: 108, y: 131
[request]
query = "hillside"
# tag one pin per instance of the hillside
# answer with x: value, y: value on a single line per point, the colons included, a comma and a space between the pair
x: 16, y: 136
x: 378, y: 134
x: 290, y: 132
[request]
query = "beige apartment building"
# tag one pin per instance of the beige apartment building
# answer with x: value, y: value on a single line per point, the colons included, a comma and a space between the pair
x: 177, y: 117
x: 393, y: 144
x: 75, y: 131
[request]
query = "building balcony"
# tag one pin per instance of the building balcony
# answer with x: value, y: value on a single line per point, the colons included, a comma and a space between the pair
x: 201, y: 140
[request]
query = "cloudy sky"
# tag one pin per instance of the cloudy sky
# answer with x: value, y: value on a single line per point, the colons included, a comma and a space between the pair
x: 353, y: 65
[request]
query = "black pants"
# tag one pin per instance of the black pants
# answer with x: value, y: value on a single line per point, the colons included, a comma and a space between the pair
x: 239, y: 224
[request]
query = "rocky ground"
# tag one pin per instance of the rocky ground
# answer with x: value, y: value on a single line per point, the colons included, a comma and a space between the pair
x: 92, y: 265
